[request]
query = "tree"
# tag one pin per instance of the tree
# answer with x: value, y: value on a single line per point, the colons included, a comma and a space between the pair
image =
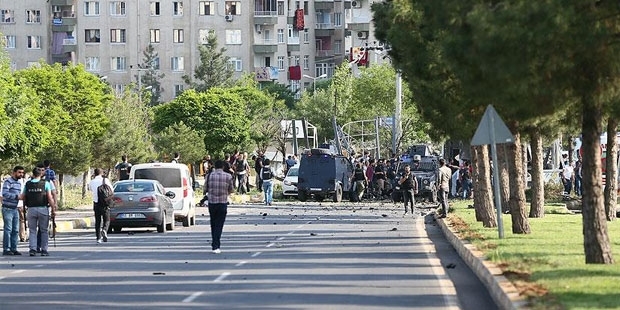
x: 281, y: 92
x: 179, y: 137
x: 213, y: 70
x: 151, y: 76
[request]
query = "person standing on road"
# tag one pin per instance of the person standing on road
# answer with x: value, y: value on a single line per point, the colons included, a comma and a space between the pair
x: 443, y: 186
x: 242, y: 171
x: 266, y: 175
x: 409, y: 185
x: 102, y: 212
x: 218, y: 185
x: 37, y: 195
x: 123, y: 168
x: 359, y: 182
x: 258, y: 166
x: 11, y: 188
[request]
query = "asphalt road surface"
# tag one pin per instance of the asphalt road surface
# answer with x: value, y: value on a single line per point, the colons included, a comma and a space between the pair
x: 287, y: 256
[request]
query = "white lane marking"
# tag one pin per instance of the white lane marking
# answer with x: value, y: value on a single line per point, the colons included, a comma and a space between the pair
x: 222, y: 277
x: 300, y: 226
x: 290, y: 232
x: 72, y: 258
x: 2, y: 278
x: 270, y: 245
x: 256, y: 254
x: 37, y: 266
x: 280, y: 238
x: 18, y: 271
x: 191, y: 297
x: 241, y: 263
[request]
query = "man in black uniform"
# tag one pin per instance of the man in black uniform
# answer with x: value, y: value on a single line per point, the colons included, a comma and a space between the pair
x: 37, y: 195
x: 123, y: 168
x: 359, y: 181
x: 409, y: 185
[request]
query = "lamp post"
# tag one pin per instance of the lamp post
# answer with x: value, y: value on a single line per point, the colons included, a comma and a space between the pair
x: 324, y: 75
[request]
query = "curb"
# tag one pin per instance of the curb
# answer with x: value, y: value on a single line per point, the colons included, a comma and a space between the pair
x: 503, y: 292
x: 66, y: 225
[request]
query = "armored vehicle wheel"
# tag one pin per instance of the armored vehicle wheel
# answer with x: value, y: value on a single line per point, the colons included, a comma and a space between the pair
x: 433, y: 196
x: 337, y: 196
x: 318, y: 197
x: 302, y: 196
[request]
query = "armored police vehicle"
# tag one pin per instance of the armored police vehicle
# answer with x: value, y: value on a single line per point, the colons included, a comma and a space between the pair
x: 323, y: 174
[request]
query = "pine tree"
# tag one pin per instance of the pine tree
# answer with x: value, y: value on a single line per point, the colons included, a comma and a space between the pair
x: 213, y: 70
x: 151, y: 76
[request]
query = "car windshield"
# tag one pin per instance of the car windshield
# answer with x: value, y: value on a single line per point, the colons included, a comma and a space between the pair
x: 168, y: 177
x: 133, y: 187
x: 293, y: 172
x: 423, y: 166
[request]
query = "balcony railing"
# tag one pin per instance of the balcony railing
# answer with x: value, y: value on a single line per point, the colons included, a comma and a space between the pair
x: 70, y: 41
x: 292, y: 41
x: 262, y: 41
x: 265, y: 13
x: 324, y: 53
x: 324, y: 26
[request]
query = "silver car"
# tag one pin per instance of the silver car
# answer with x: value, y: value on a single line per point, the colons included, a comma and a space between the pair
x: 141, y: 203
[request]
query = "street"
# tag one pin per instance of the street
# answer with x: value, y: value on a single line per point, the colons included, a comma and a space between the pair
x: 288, y: 256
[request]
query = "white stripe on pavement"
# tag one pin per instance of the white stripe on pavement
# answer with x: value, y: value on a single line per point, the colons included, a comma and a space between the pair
x: 193, y: 296
x: 222, y: 277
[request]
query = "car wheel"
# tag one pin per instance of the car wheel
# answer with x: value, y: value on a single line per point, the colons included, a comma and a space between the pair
x: 302, y: 196
x: 337, y: 196
x: 192, y: 221
x: 162, y: 227
x: 170, y: 226
x: 186, y: 221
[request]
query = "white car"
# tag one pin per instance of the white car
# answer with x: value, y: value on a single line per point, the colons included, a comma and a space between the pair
x: 289, y: 185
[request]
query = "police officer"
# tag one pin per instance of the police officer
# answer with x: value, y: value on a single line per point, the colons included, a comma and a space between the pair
x: 359, y: 181
x: 409, y: 185
x: 37, y: 194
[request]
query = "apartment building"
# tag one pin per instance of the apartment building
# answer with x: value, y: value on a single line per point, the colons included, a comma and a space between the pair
x: 291, y: 42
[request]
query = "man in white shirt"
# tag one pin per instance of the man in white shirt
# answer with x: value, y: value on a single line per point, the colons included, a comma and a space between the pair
x: 568, y: 177
x: 102, y: 214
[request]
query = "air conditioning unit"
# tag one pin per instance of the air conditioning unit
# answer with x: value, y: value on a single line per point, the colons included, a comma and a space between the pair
x: 56, y: 9
x: 363, y: 35
x: 259, y: 28
x: 356, y: 4
x: 229, y: 18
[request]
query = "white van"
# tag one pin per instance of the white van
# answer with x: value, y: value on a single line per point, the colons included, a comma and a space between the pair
x: 174, y: 177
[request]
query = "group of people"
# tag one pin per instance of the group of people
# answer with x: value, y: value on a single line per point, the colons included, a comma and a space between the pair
x: 571, y: 174
x: 28, y: 205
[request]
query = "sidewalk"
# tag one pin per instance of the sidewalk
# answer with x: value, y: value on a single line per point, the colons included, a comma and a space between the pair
x: 80, y: 217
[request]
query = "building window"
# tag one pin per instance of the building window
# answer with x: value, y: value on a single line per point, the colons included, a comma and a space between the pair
x: 235, y: 63
x: 117, y: 8
x: 7, y: 16
x: 233, y: 36
x: 155, y: 63
x: 177, y: 8
x: 91, y: 8
x: 155, y: 8
x: 178, y: 89
x: 154, y: 36
x: 10, y: 41
x: 306, y: 36
x: 118, y: 89
x: 281, y: 63
x: 295, y: 85
x: 338, y: 19
x: 281, y: 36
x: 306, y: 62
x: 117, y: 36
x: 177, y: 35
x: 293, y: 35
x: 306, y: 8
x: 233, y: 7
x: 280, y: 8
x: 176, y: 64
x: 337, y: 47
x: 33, y: 16
x: 92, y: 36
x: 296, y: 60
x: 118, y: 64
x: 206, y: 8
x: 34, y: 42
x: 92, y: 64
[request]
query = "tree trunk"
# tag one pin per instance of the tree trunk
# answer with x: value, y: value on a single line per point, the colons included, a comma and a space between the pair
x: 504, y: 184
x: 524, y: 163
x: 483, y: 196
x: 520, y: 223
x: 61, y: 191
x: 475, y: 178
x: 85, y: 183
x: 537, y: 208
x: 611, y: 170
x: 595, y: 238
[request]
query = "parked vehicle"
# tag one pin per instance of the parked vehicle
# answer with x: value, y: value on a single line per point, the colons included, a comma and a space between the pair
x: 176, y: 178
x: 289, y: 184
x: 141, y: 203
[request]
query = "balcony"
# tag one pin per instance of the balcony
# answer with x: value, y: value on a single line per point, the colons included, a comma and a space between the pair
x: 324, y: 53
x: 265, y: 20
x: 265, y: 46
x: 61, y: 2
x: 324, y: 5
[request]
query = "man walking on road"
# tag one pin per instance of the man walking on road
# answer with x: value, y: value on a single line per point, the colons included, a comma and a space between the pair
x: 218, y: 185
x: 409, y: 185
x: 123, y: 168
x: 11, y: 188
x: 37, y: 195
x: 102, y: 212
x: 443, y: 186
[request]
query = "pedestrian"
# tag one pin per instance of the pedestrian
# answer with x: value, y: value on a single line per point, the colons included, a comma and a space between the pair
x: 359, y: 182
x: 11, y: 189
x: 37, y: 195
x: 176, y: 158
x: 123, y: 168
x: 409, y: 186
x: 242, y: 169
x: 266, y: 174
x: 568, y: 177
x: 466, y: 183
x: 578, y: 176
x: 443, y: 186
x: 101, y: 209
x: 218, y: 185
x: 258, y: 165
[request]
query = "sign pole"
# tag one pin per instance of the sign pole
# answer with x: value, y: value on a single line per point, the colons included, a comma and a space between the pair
x: 496, y: 191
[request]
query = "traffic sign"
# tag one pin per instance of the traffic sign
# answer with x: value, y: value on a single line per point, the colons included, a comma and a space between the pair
x: 491, y: 125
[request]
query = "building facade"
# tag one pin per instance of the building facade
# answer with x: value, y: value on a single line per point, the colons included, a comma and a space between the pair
x: 291, y: 42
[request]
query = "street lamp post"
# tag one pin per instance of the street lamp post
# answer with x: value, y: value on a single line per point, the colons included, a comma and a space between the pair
x: 324, y: 75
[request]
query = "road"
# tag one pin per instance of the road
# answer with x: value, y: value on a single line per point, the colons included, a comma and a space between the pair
x: 288, y: 256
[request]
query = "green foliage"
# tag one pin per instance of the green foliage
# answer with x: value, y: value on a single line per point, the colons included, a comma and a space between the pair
x: 179, y: 137
x: 213, y: 70
x: 151, y: 76
x: 281, y: 92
